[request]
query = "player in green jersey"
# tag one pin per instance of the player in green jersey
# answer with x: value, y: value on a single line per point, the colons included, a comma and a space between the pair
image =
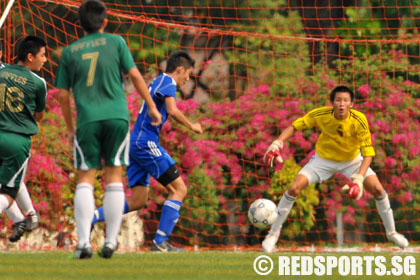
x: 22, y: 103
x: 92, y: 67
x: 2, y: 64
x: 22, y: 224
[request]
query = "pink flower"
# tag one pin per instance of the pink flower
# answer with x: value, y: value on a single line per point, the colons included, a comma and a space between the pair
x: 414, y: 151
x: 53, y: 92
x: 152, y: 205
x: 400, y: 139
x: 351, y: 210
x: 264, y: 89
x: 241, y: 219
x: 382, y: 126
x: 362, y: 203
x: 364, y: 90
x: 409, y: 83
x: 407, y: 196
x: 331, y: 84
x: 312, y: 89
x: 348, y: 219
x: 396, y: 182
x: 332, y: 214
x: 414, y: 175
x: 205, y: 64
x: 237, y: 145
x: 390, y: 162
x: 187, y: 106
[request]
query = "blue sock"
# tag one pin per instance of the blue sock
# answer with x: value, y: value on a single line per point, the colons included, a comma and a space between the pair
x: 99, y: 213
x: 168, y: 219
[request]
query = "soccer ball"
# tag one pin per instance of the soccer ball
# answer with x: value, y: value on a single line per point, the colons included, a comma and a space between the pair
x: 262, y: 213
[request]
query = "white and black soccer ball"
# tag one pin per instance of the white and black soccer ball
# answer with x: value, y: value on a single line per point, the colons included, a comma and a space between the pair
x: 262, y: 213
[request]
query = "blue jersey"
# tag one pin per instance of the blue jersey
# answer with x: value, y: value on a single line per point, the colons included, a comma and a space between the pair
x: 147, y: 157
x: 161, y: 87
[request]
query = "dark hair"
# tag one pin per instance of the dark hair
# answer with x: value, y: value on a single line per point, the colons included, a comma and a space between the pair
x: 92, y: 14
x: 179, y: 58
x: 29, y: 45
x: 341, y: 89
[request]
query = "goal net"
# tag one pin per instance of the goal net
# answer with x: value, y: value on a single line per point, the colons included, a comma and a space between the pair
x: 259, y: 66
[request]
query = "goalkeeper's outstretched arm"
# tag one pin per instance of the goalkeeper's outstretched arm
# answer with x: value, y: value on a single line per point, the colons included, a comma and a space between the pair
x: 273, y: 151
x: 287, y: 133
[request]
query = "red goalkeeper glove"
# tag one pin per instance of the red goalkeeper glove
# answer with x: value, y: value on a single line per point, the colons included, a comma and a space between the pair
x: 355, y: 188
x: 273, y: 153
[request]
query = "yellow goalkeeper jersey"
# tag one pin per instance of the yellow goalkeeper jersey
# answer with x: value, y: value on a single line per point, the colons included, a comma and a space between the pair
x: 340, y: 140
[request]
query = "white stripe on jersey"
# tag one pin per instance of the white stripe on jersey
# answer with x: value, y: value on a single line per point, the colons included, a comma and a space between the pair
x: 142, y: 106
x: 160, y: 83
x: 153, y: 148
x: 78, y: 151
x: 22, y: 169
x: 43, y: 80
x: 158, y: 87
x: 124, y: 147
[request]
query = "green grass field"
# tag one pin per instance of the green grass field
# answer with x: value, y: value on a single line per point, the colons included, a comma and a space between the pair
x: 147, y: 265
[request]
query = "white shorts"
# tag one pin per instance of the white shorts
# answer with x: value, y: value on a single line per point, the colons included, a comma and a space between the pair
x: 318, y: 169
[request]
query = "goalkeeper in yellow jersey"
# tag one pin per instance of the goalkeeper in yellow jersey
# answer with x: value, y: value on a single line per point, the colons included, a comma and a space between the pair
x: 344, y: 146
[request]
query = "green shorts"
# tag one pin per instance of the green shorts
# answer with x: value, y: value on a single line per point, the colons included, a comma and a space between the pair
x: 102, y: 142
x: 14, y: 156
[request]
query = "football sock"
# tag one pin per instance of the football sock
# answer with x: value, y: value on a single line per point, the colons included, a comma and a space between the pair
x: 113, y: 211
x: 24, y: 200
x: 4, y: 203
x: 99, y: 213
x: 14, y: 213
x: 84, y: 206
x: 168, y: 220
x: 385, y: 212
x: 283, y: 209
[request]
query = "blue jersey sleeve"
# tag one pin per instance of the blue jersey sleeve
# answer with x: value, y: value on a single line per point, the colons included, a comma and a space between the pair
x: 165, y: 88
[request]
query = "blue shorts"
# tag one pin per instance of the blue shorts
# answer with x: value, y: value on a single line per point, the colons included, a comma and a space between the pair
x: 147, y: 158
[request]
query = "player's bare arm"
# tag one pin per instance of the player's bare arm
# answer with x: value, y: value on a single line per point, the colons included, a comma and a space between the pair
x: 365, y: 165
x: 287, y: 133
x: 64, y: 99
x: 38, y: 116
x: 179, y: 116
x: 141, y: 87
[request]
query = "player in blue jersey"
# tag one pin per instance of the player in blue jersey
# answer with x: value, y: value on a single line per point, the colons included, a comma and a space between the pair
x: 148, y: 157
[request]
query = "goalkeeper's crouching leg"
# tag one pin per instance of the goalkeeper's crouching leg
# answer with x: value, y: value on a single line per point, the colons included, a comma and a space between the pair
x: 387, y: 216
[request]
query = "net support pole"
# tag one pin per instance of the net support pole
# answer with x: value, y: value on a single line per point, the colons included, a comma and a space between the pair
x: 6, y: 12
x: 340, y: 233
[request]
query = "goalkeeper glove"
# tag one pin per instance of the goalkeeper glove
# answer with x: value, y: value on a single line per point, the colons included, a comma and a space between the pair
x: 273, y: 152
x: 355, y: 188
